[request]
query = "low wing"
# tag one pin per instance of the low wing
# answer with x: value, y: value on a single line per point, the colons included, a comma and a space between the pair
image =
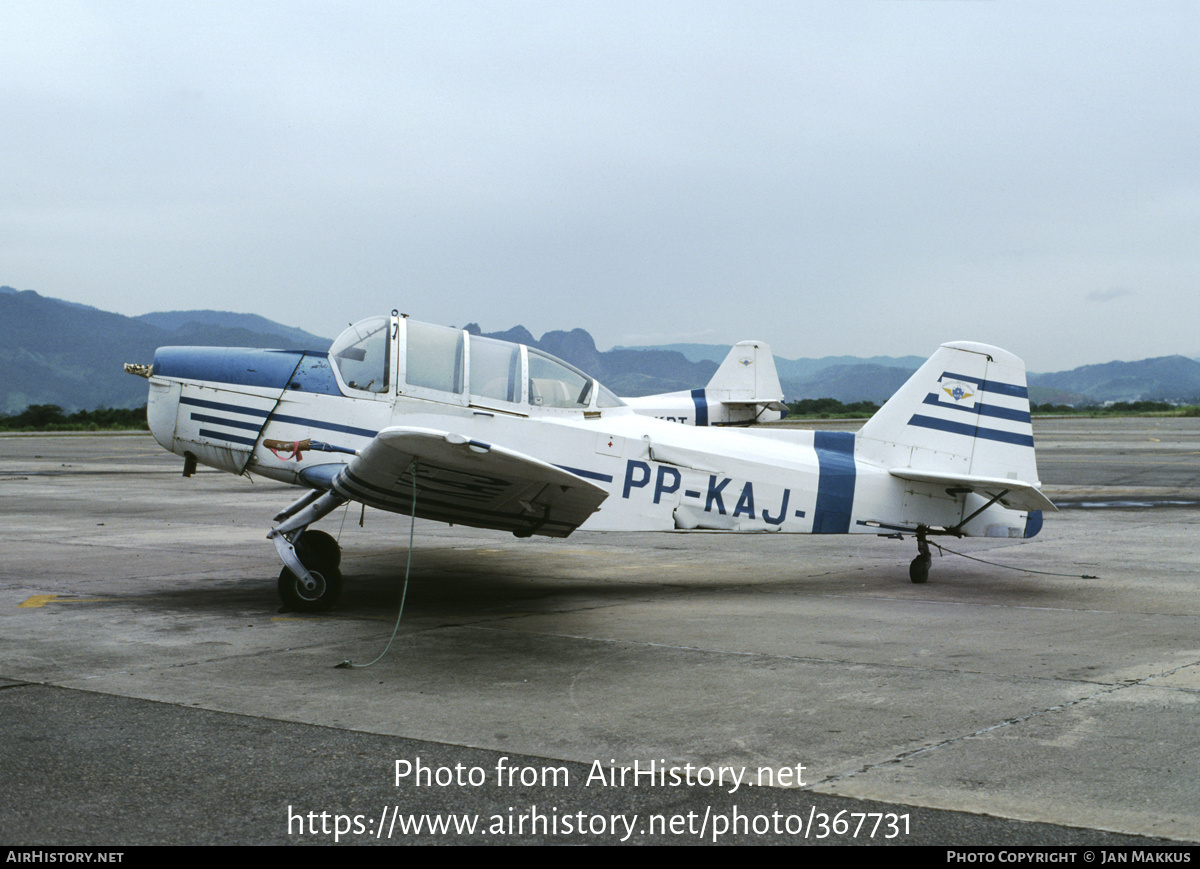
x: 467, y: 482
x: 1014, y: 494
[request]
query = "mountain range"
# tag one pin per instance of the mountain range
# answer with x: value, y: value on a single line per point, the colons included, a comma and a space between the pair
x: 65, y: 353
x: 56, y: 352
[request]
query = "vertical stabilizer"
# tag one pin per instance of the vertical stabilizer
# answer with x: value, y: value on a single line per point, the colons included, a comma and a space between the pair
x: 747, y: 375
x: 965, y: 411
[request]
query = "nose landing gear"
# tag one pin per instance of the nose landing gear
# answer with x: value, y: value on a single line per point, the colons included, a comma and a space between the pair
x: 321, y: 556
x: 311, y: 580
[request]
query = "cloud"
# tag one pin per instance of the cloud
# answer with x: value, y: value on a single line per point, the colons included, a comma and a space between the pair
x: 1109, y: 294
x: 703, y: 336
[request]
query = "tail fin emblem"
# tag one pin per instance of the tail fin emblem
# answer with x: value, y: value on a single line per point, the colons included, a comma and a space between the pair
x: 958, y: 390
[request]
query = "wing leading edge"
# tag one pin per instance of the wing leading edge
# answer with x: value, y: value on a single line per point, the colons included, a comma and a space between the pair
x: 467, y: 482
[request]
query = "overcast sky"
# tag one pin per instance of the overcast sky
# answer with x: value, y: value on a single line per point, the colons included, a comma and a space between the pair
x: 842, y: 177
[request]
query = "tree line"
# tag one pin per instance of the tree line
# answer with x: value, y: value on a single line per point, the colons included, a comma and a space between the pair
x: 831, y: 408
x: 1119, y: 408
x: 51, y: 417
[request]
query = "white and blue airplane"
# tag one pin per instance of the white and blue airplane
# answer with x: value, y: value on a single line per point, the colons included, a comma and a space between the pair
x: 744, y: 390
x: 410, y: 418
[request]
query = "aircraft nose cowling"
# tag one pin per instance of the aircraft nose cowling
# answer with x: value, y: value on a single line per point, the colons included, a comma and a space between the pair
x: 208, y: 404
x: 243, y: 366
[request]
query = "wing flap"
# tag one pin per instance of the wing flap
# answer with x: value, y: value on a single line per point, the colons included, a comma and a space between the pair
x: 1014, y: 494
x: 467, y: 482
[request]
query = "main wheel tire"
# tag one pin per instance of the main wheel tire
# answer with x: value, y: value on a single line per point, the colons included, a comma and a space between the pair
x: 324, y: 597
x: 918, y: 571
x: 317, y: 547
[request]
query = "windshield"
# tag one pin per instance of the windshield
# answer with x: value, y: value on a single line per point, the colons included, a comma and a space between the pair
x: 553, y: 383
x: 361, y: 355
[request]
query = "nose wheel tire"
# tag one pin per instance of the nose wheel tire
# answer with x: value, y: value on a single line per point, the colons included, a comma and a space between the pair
x: 323, y: 596
x: 317, y: 547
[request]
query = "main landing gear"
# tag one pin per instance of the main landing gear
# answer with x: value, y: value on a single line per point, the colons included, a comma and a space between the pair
x: 918, y: 571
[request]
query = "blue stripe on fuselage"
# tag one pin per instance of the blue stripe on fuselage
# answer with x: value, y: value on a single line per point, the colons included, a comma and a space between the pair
x: 325, y: 426
x: 224, y: 436
x: 228, y: 408
x: 231, y: 423
x: 263, y: 414
x: 835, y: 484
x: 701, y: 406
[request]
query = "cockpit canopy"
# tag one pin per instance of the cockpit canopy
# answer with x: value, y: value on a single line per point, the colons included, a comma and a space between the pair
x: 446, y: 364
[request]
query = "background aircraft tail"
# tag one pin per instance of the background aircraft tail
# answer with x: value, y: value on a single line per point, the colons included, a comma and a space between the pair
x: 747, y: 376
x: 744, y: 390
x: 961, y: 419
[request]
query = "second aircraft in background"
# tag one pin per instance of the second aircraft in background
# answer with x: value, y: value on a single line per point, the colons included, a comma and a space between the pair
x: 745, y: 390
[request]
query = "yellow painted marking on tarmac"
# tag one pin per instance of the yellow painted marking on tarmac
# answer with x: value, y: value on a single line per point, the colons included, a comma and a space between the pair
x: 517, y: 551
x: 40, y: 600
x: 316, y: 617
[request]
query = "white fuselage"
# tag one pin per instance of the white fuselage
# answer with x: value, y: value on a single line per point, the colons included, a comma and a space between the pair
x: 660, y: 475
x: 949, y: 451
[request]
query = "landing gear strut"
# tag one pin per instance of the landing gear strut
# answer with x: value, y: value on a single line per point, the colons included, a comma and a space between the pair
x: 918, y: 571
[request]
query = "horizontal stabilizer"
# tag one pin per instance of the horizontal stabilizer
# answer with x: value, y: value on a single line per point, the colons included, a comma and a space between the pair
x: 1014, y: 494
x: 769, y: 405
